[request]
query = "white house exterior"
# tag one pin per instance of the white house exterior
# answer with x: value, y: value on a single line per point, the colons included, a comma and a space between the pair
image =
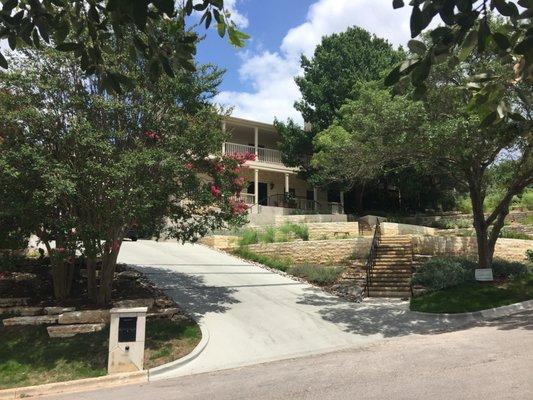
x: 273, y: 187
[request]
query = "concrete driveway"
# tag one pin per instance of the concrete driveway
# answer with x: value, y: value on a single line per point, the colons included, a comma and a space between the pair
x: 254, y: 315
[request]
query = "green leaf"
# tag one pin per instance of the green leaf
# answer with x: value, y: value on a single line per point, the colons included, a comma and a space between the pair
x: 417, y: 21
x: 166, y: 6
x: 221, y: 28
x: 3, y: 61
x: 490, y: 119
x: 392, y: 77
x: 166, y: 66
x: 505, y: 8
x: 525, y: 47
x: 483, y: 36
x: 468, y: 45
x: 397, y: 4
x: 139, y: 11
x: 417, y: 47
x: 68, y: 46
x: 421, y: 72
x: 501, y: 40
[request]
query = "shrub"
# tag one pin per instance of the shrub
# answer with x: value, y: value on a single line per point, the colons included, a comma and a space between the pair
x: 464, y: 204
x: 289, y: 228
x: 508, y: 269
x: 319, y: 275
x: 447, y: 223
x: 445, y: 272
x: 272, y: 262
x: 526, y: 201
x: 248, y: 236
x: 442, y: 273
x: 268, y: 236
x: 529, y: 255
x: 509, y: 234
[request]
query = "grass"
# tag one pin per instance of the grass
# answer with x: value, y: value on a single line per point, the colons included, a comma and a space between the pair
x: 29, y: 357
x: 317, y: 274
x: 509, y: 234
x: 272, y: 262
x: 475, y: 296
x: 285, y: 233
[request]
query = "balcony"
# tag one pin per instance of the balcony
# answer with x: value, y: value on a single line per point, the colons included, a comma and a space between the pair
x: 269, y: 156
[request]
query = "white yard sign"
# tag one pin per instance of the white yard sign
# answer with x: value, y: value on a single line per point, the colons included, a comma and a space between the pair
x: 484, y: 274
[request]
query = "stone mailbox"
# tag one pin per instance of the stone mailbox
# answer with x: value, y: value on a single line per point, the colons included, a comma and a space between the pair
x: 126, y: 339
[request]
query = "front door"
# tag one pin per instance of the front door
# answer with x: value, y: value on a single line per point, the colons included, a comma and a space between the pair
x: 263, y: 192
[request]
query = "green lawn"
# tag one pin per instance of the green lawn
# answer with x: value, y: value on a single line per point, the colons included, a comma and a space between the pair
x: 475, y: 296
x: 29, y: 357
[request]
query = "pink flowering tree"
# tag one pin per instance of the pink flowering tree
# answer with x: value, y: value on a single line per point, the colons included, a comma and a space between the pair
x: 80, y: 167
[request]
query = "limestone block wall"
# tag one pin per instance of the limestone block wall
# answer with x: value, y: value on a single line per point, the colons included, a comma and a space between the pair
x: 509, y: 249
x: 394, y: 229
x: 332, y: 230
x: 220, y: 242
x: 319, y: 252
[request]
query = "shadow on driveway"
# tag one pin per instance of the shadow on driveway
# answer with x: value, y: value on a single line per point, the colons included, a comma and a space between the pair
x: 392, y: 318
x: 190, y: 291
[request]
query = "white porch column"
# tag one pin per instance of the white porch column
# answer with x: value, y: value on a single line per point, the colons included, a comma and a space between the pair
x: 342, y: 200
x: 224, y: 131
x: 315, y: 194
x: 286, y: 183
x: 256, y: 140
x: 256, y: 186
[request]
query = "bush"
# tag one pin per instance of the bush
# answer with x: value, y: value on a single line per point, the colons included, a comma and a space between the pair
x: 442, y: 273
x: 526, y: 201
x: 445, y: 272
x: 529, y: 255
x: 316, y: 274
x: 464, y: 204
x: 248, y: 236
x: 272, y: 262
x: 289, y: 228
x: 509, y: 234
x: 448, y: 223
x: 268, y: 236
x: 508, y: 269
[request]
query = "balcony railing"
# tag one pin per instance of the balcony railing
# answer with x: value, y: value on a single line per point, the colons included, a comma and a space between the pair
x: 270, y: 156
x: 248, y: 198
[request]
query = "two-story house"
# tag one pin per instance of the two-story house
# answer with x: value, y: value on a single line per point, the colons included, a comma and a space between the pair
x: 272, y: 186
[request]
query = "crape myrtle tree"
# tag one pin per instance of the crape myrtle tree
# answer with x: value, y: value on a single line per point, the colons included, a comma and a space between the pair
x: 81, y: 167
x: 444, y: 132
x: 83, y: 28
x: 338, y: 63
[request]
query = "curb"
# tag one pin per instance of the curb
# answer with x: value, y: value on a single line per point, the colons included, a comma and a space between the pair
x: 158, y: 373
x: 487, y: 314
x: 79, y: 385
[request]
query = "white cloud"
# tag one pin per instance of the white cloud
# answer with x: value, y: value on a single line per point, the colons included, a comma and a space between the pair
x: 240, y: 19
x: 271, y: 75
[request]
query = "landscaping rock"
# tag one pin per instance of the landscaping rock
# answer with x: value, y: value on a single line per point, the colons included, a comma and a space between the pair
x: 36, y: 320
x: 23, y: 311
x: 128, y: 275
x: 58, y: 310
x: 164, y: 313
x: 149, y: 302
x: 14, y: 301
x: 62, y: 331
x: 164, y: 302
x: 84, y: 317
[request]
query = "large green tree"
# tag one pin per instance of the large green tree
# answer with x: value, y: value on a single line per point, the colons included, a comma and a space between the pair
x: 85, y: 28
x: 80, y: 167
x: 338, y: 63
x: 444, y: 132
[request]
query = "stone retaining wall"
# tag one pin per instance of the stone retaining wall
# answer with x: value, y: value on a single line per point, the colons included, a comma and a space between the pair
x: 332, y: 230
x: 509, y: 249
x: 220, y: 242
x: 394, y: 229
x: 310, y: 218
x: 320, y: 252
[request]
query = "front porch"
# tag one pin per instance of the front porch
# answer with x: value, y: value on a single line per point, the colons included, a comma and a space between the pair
x: 285, y: 191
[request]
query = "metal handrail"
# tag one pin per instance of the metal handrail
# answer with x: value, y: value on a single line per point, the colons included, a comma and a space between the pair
x: 371, y: 256
x: 301, y: 203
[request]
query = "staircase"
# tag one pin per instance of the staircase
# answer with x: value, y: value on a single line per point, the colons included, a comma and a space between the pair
x: 390, y: 274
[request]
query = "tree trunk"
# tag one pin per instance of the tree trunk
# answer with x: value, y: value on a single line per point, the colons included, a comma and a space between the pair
x: 107, y: 274
x: 62, y: 276
x: 484, y: 258
x: 92, y: 284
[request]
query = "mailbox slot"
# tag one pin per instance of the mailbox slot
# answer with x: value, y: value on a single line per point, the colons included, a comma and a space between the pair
x: 127, y: 329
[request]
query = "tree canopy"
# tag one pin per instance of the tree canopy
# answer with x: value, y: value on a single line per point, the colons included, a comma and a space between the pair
x: 80, y: 167
x: 85, y: 28
x: 468, y: 27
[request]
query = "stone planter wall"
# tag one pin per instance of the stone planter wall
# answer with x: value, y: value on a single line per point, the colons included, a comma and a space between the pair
x: 320, y: 252
x: 332, y: 230
x: 394, y: 229
x: 509, y: 249
x: 220, y: 242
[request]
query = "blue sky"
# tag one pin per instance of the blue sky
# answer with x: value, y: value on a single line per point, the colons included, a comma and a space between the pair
x: 259, y: 82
